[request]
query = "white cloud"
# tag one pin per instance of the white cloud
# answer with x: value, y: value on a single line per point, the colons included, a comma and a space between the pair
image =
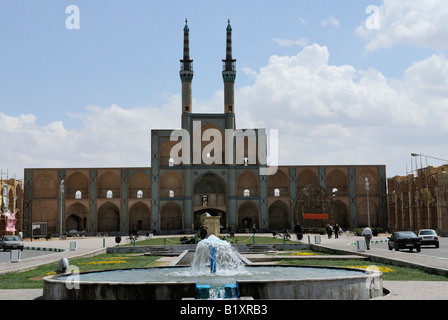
x: 331, y: 21
x: 330, y: 114
x: 325, y: 114
x: 421, y: 23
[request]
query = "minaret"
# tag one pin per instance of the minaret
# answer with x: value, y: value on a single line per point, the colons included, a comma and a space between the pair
x: 229, y: 74
x: 186, y: 73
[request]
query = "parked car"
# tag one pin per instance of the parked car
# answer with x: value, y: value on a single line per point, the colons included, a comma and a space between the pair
x: 429, y: 237
x: 11, y: 242
x: 404, y: 240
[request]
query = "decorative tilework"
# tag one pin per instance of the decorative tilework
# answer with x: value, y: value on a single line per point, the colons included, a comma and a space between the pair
x: 61, y: 201
x: 292, y: 194
x: 322, y: 180
x: 92, y: 199
x: 352, y: 195
x: 124, y: 226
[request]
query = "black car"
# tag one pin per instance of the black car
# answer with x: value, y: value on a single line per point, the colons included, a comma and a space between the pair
x: 404, y: 240
x: 11, y: 242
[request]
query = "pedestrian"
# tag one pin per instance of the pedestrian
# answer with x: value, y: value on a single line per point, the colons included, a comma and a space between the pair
x: 336, y: 231
x: 253, y: 229
x: 329, y: 231
x: 298, y: 231
x: 367, y: 233
x: 20, y: 234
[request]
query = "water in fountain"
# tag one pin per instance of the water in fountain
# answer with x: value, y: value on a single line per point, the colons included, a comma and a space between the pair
x: 229, y: 271
x: 214, y: 256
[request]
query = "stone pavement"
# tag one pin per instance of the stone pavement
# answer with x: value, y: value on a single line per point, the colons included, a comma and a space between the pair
x: 399, y: 290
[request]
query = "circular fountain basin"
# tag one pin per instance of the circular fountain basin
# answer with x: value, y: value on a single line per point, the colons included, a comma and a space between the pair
x: 175, y: 283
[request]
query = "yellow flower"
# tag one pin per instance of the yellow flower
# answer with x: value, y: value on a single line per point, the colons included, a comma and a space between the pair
x: 302, y: 254
x: 382, y: 269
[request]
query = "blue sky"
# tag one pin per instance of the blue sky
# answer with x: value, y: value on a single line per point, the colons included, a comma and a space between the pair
x: 82, y: 90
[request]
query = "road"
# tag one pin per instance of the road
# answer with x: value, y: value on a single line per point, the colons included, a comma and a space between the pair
x: 25, y: 254
x: 441, y: 252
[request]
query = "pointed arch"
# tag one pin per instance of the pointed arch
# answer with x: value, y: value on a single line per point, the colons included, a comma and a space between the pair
x: 171, y: 181
x: 305, y: 178
x: 210, y: 192
x: 165, y: 152
x: 77, y: 184
x: 247, y: 181
x: 109, y: 183
x: 278, y: 184
x: 314, y: 200
x: 139, y: 217
x: 336, y: 179
x: 171, y: 217
x: 279, y: 216
x: 140, y: 186
x: 108, y: 218
x: 248, y: 214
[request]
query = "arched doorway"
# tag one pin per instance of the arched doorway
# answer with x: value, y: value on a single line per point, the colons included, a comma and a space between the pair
x: 77, y: 217
x: 248, y: 214
x: 74, y: 222
x: 278, y: 216
x: 108, y: 218
x: 171, y: 217
x: 139, y: 218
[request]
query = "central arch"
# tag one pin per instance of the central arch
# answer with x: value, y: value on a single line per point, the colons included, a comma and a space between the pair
x: 209, y: 195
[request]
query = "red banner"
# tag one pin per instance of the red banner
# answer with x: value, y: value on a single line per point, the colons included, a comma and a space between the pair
x: 322, y: 216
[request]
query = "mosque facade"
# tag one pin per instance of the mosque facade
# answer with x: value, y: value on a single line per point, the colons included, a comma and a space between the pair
x: 207, y: 166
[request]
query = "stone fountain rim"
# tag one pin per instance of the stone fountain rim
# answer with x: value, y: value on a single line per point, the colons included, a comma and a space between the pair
x: 364, y: 274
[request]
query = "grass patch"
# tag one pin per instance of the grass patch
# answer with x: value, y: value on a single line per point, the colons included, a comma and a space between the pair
x: 390, y: 272
x: 32, y: 279
x: 234, y: 240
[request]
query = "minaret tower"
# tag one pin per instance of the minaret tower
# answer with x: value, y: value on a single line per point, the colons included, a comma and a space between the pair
x: 229, y: 74
x: 186, y: 73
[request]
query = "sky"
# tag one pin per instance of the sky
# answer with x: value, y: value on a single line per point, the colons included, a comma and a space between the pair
x: 348, y: 82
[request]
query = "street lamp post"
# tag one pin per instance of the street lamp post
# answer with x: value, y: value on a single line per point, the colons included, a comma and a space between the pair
x: 368, y: 204
x: 61, y: 192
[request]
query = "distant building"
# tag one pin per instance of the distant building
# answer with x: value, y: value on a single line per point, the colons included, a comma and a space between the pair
x: 217, y: 174
x: 11, y: 202
x: 419, y: 202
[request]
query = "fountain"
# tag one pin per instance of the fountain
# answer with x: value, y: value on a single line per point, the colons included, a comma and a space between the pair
x: 217, y: 271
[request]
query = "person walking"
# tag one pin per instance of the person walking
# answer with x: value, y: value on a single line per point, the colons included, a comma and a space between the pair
x: 336, y: 231
x: 329, y: 231
x: 367, y: 233
x: 298, y: 231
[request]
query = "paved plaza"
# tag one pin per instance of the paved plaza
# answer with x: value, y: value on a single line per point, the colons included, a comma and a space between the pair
x: 399, y: 290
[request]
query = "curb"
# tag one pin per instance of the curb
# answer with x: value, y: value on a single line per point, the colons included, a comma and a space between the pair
x: 44, y: 249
